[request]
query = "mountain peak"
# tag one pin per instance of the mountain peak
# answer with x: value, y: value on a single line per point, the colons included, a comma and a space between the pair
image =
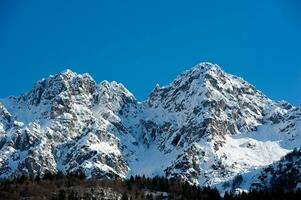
x: 69, y: 75
x: 210, y: 94
x: 203, y: 68
x: 67, y: 72
x: 206, y: 67
x: 207, y: 126
x: 117, y: 88
x: 66, y: 81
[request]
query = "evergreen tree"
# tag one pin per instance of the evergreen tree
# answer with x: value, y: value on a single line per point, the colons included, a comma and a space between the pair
x: 62, y: 195
x: 124, y: 196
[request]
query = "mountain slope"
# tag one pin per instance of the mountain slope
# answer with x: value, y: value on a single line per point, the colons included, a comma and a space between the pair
x: 284, y: 174
x: 207, y: 127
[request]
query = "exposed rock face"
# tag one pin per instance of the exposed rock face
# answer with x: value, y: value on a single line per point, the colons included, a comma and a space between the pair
x: 6, y: 119
x: 186, y: 167
x: 211, y: 102
x: 57, y: 131
x: 207, y: 127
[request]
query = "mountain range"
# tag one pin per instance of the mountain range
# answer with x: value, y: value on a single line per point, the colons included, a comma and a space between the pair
x: 207, y: 127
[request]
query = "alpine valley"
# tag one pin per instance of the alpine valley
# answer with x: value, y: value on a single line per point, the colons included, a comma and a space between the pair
x: 207, y: 127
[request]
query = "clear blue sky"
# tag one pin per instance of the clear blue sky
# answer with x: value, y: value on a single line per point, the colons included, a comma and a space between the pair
x: 141, y: 43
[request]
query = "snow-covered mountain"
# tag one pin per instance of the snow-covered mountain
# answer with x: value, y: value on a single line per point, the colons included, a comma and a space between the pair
x: 207, y: 127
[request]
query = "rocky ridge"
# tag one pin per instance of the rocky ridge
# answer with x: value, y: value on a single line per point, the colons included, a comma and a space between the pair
x: 207, y: 127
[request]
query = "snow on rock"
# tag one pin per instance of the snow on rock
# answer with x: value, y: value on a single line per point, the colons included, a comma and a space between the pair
x: 285, y: 173
x: 206, y: 127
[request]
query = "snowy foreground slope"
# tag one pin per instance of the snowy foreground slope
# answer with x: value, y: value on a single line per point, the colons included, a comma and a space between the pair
x: 207, y: 127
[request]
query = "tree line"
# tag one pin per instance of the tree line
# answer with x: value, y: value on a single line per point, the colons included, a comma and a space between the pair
x: 76, y: 186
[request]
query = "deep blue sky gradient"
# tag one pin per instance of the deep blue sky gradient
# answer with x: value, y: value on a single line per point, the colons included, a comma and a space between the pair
x: 141, y: 43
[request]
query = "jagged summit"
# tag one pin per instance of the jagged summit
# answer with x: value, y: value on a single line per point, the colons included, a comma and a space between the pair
x: 196, y: 72
x: 69, y: 74
x: 201, y: 68
x: 209, y: 78
x: 205, y: 127
x: 193, y: 73
x: 117, y: 87
x: 64, y: 83
x: 209, y: 101
x: 65, y: 73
